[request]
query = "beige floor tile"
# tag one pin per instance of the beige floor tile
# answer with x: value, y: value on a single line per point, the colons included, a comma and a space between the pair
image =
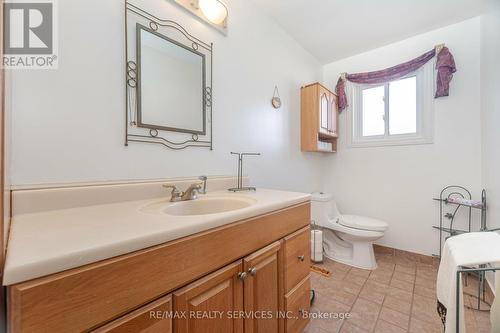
x: 338, y: 274
x: 419, y: 326
x: 312, y: 327
x: 350, y: 328
x: 320, y: 282
x: 404, y: 262
x: 350, y: 287
x: 385, y: 264
x: 373, y: 291
x: 340, y: 266
x: 400, y: 305
x: 425, y: 282
x: 405, y: 269
x: 400, y: 294
x: 381, y: 276
x: 355, y: 279
x: 424, y: 308
x: 482, y: 320
x: 364, y: 314
x: 385, y: 327
x: 403, y: 285
x: 360, y: 272
x: 338, y: 295
x: 404, y: 277
x: 394, y: 317
x: 429, y: 274
x: 426, y: 292
x: 324, y: 303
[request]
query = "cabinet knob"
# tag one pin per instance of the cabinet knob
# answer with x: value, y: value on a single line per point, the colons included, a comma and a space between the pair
x: 301, y: 258
x: 252, y: 271
x: 242, y: 275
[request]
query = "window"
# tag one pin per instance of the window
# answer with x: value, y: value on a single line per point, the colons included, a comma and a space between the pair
x: 394, y: 113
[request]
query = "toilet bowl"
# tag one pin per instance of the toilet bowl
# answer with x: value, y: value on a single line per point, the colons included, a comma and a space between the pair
x: 346, y: 238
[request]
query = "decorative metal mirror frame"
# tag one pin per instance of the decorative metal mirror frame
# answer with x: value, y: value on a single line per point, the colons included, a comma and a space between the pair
x: 139, y: 28
x: 151, y: 133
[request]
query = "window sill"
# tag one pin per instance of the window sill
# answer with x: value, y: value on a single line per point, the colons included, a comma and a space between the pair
x: 382, y: 143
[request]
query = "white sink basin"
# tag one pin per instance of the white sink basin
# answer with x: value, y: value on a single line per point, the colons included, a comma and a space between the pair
x: 200, y: 206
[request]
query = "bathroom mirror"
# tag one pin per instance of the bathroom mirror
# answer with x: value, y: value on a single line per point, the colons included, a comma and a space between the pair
x: 168, y: 77
x: 171, y: 82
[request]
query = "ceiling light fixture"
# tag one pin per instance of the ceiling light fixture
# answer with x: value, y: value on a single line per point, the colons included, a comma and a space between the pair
x: 212, y: 12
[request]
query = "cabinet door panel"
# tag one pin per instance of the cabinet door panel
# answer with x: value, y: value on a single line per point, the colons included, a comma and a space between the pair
x: 262, y: 289
x: 324, y: 105
x: 209, y: 304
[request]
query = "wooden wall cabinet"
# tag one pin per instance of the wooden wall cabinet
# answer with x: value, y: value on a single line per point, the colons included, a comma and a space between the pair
x: 319, y: 119
x: 259, y: 264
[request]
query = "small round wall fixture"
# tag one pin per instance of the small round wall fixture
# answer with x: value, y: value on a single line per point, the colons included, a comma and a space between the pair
x: 214, y: 10
x: 276, y: 100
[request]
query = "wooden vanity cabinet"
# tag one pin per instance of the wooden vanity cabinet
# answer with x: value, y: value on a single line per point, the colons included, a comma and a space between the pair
x: 319, y: 118
x: 248, y: 265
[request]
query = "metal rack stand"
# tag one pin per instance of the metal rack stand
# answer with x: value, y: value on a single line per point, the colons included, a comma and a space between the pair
x: 445, y: 198
x: 455, y: 191
x: 480, y: 271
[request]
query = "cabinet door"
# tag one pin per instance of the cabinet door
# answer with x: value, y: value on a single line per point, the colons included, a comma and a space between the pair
x: 262, y: 290
x: 297, y: 257
x: 333, y: 112
x: 151, y: 318
x: 209, y: 305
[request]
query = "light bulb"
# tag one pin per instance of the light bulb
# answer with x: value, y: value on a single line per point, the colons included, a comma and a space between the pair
x: 214, y: 10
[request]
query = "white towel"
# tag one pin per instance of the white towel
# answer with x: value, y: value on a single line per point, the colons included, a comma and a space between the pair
x: 468, y: 249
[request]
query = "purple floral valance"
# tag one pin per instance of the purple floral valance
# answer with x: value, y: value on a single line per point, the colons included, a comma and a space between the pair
x: 445, y: 66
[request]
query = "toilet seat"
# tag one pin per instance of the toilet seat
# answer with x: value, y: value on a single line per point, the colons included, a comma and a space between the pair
x: 336, y: 226
x: 362, y: 223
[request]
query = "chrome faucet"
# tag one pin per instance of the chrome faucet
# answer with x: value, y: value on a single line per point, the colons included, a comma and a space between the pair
x: 189, y: 194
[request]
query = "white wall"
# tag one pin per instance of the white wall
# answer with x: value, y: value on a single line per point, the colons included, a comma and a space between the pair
x: 490, y: 110
x: 68, y: 124
x: 397, y: 184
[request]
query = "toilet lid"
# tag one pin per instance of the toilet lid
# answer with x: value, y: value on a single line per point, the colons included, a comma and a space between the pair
x: 363, y: 223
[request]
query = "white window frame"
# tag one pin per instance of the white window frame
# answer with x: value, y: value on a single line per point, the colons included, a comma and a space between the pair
x: 424, y: 113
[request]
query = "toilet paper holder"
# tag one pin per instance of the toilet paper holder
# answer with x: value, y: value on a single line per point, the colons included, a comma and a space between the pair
x: 316, y: 253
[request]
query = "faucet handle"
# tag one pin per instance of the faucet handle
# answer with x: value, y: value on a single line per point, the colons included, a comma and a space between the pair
x: 175, y: 192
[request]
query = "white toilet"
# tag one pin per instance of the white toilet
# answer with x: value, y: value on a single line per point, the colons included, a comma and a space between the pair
x: 346, y: 238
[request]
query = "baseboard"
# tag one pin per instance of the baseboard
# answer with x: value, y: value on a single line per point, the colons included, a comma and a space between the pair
x: 417, y: 257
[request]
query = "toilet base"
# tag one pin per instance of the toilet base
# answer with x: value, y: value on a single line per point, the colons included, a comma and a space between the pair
x: 352, y: 251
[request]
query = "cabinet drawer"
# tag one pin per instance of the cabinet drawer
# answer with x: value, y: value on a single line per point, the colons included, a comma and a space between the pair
x: 152, y: 318
x: 297, y: 257
x: 297, y: 303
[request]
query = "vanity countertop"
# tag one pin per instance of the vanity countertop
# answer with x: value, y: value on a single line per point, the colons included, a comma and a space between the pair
x: 48, y: 242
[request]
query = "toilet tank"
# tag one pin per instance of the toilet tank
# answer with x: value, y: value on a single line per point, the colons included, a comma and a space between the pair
x: 323, y: 208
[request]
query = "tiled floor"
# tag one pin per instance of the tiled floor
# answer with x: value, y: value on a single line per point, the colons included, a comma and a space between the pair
x: 399, y: 296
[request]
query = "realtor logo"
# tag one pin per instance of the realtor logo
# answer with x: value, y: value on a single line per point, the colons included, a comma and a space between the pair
x: 30, y: 34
